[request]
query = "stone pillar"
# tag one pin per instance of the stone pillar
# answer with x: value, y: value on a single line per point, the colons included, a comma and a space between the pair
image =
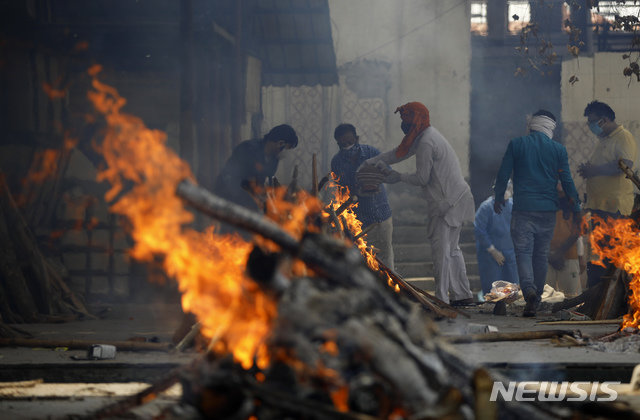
x: 497, y: 19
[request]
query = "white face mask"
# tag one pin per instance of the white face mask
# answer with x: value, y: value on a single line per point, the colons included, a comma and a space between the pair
x: 348, y: 147
x: 282, y: 154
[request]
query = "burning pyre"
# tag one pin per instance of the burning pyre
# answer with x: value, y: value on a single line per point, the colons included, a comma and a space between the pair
x: 299, y: 312
x: 618, y: 240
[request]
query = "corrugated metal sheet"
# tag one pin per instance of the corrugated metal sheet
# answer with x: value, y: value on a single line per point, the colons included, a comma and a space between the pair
x: 294, y: 40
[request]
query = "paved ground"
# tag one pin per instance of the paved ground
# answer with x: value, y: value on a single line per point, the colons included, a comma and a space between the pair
x: 536, y: 351
x: 524, y: 360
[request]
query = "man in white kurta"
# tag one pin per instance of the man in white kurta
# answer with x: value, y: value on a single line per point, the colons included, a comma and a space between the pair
x: 449, y: 198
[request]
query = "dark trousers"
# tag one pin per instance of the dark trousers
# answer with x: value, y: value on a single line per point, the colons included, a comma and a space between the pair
x: 531, y: 232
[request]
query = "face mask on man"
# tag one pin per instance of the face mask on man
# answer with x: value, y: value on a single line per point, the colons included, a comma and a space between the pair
x: 406, y: 127
x: 282, y: 154
x: 595, y: 128
x: 351, y: 152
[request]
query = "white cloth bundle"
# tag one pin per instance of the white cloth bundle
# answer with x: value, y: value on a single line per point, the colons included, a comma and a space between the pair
x: 543, y: 124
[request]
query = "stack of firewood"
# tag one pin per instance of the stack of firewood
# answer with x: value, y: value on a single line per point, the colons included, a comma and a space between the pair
x: 344, y: 346
x: 32, y: 287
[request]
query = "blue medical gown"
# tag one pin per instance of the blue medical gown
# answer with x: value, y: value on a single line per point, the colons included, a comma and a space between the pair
x: 492, y: 228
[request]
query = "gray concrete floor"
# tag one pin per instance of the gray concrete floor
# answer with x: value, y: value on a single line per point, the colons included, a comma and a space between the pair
x: 534, y: 351
x: 160, y: 321
x: 119, y: 322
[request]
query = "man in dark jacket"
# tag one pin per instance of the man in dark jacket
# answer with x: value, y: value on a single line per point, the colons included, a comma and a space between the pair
x: 251, y: 163
x: 372, y: 209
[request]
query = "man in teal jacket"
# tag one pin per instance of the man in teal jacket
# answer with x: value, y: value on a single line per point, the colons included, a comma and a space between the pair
x: 537, y: 163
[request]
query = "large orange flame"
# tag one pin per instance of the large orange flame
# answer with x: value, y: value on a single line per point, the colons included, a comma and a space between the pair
x: 45, y: 165
x: 619, y: 241
x: 210, y: 269
x: 340, y: 195
x: 144, y: 173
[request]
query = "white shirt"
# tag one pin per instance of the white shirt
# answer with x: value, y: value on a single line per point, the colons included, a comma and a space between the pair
x: 439, y: 175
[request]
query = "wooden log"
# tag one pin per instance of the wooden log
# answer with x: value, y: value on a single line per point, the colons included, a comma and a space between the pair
x: 120, y: 407
x: 445, y: 307
x: 84, y: 344
x: 629, y: 173
x: 613, y: 302
x: 440, y: 302
x: 605, y: 300
x: 239, y: 216
x: 189, y: 337
x: 366, y: 231
x: 77, y: 306
x: 308, y: 251
x: 590, y: 298
x: 22, y: 384
x: 336, y: 221
x: 26, y: 249
x: 309, y: 409
x: 7, y: 331
x: 353, y: 199
x: 293, y: 185
x: 411, y: 291
x: 16, y: 301
x: 512, y: 336
x: 442, y: 312
x: 323, y: 181
x: 29, y: 281
x: 583, y: 322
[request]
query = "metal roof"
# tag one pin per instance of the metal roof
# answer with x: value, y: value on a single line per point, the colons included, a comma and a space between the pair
x: 294, y: 42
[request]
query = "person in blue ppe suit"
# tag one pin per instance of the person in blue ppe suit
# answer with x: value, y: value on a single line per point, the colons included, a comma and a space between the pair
x: 494, y: 247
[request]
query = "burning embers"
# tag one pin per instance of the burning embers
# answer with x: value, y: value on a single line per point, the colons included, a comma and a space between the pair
x: 314, y: 330
x: 618, y: 240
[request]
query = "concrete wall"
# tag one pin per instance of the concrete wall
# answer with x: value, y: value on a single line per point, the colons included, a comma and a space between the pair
x: 600, y: 78
x: 429, y: 48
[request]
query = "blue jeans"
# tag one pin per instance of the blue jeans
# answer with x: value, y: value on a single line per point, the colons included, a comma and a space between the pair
x: 531, y: 232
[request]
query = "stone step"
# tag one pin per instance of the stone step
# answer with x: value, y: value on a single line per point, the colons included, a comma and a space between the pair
x: 417, y: 234
x: 429, y: 284
x: 422, y: 252
x: 425, y: 268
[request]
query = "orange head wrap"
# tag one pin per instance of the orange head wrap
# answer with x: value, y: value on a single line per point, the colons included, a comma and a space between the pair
x: 416, y: 114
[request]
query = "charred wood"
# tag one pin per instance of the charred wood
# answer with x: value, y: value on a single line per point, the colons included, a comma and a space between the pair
x: 27, y: 252
x: 341, y: 337
x: 32, y: 285
x: 293, y: 185
x: 322, y: 254
x: 605, y: 300
x: 629, y: 173
x: 431, y: 302
x: 353, y: 199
